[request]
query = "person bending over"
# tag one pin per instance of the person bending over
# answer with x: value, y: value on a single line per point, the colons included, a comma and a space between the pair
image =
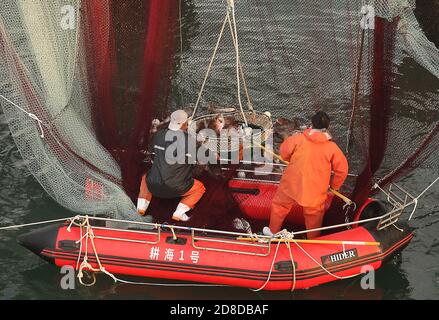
x: 168, y: 177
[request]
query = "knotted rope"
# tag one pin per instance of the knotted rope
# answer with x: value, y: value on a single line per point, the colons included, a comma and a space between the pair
x: 85, y: 265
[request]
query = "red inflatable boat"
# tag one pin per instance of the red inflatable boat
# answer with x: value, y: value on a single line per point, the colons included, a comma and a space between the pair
x: 218, y: 257
x: 254, y: 199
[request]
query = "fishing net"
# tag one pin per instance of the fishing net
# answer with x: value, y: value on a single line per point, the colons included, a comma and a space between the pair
x: 77, y: 77
x: 82, y: 80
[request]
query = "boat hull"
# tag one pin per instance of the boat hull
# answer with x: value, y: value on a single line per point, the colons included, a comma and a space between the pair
x: 202, y: 261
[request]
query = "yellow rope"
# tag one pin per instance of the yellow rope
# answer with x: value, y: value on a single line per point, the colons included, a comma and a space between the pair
x: 311, y: 241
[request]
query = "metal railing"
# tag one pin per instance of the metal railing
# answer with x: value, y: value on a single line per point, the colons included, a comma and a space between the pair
x: 399, y: 199
x: 265, y: 245
x: 157, y: 234
x: 231, y: 240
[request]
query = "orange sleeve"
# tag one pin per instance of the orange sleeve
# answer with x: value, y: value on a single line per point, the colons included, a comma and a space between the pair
x: 340, y: 167
x: 287, y: 147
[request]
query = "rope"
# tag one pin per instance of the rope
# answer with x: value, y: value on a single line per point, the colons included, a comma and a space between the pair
x: 425, y: 190
x: 85, y: 263
x: 271, y: 270
x: 288, y: 236
x: 29, y: 114
x: 244, y: 83
x: 236, y: 44
x: 326, y: 270
x: 181, y: 50
x: 293, y: 266
x: 239, y: 69
x: 35, y: 223
x: 420, y: 195
x: 314, y: 241
x: 415, y: 200
x: 80, y: 245
x: 210, y: 65
x: 62, y: 145
x: 282, y: 235
x: 356, y: 84
x: 89, y: 237
x: 174, y: 236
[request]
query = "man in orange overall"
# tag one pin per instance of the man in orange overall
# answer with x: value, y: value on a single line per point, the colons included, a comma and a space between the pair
x: 312, y: 155
x: 167, y: 178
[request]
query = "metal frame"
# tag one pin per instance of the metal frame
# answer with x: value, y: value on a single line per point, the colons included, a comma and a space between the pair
x: 266, y: 245
x: 400, y: 199
x: 158, y: 233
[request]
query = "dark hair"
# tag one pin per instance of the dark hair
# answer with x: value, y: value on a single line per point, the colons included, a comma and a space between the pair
x: 320, y: 120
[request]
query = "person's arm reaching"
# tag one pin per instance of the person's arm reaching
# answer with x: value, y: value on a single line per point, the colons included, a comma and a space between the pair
x: 340, y: 168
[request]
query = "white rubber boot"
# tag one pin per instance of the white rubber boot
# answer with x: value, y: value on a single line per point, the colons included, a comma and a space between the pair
x: 180, y: 212
x: 142, y: 206
x: 267, y: 232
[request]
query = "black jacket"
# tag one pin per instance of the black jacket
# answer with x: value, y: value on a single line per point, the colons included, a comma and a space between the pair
x: 171, y: 173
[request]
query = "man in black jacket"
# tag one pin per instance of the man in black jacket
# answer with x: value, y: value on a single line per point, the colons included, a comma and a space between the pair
x: 171, y: 173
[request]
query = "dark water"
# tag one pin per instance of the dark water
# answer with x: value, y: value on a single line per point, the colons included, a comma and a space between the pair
x: 412, y: 275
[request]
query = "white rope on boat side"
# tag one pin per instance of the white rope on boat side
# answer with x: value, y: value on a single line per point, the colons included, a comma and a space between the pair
x: 85, y: 265
x: 284, y: 234
x: 271, y: 270
x: 326, y: 270
x: 293, y: 266
x: 289, y: 236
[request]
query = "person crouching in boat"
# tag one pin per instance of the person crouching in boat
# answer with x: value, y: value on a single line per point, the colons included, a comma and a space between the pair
x: 312, y: 155
x: 168, y: 178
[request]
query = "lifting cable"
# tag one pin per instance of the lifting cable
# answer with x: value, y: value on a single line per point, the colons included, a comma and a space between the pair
x: 239, y: 70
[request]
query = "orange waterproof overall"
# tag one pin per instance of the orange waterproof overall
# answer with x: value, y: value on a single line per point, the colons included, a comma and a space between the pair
x: 190, y: 198
x: 311, y: 156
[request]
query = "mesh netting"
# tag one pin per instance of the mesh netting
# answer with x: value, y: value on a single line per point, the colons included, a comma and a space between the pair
x: 95, y: 83
x: 42, y: 72
x: 65, y: 63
